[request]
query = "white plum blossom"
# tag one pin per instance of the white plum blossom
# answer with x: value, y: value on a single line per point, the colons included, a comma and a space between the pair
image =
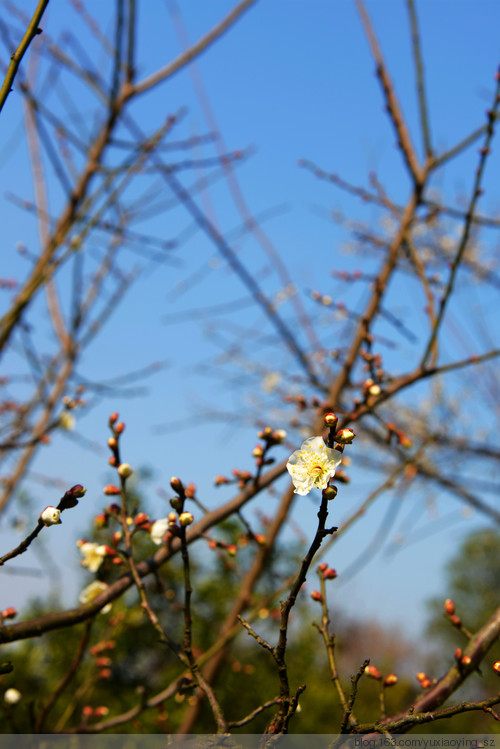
x: 12, y: 696
x: 92, y: 591
x: 67, y: 421
x: 313, y: 465
x: 51, y: 516
x: 158, y: 530
x: 93, y: 555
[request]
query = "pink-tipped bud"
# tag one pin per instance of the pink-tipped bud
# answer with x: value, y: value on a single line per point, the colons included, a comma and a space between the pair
x: 120, y: 427
x: 232, y: 550
x: 190, y: 490
x: 141, y: 518
x: 426, y: 683
x: 87, y: 711
x: 113, y: 461
x: 260, y: 538
x: 322, y: 567
x: 110, y: 490
x: 373, y: 672
x: 316, y: 596
x: 465, y: 660
x: 455, y: 620
x: 449, y: 606
x: 329, y: 574
x: 344, y: 436
x: 458, y: 653
x: 390, y: 680
x: 219, y: 480
x: 331, y: 420
x: 113, y: 418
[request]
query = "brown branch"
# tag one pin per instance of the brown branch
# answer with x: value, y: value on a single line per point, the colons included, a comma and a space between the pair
x: 32, y: 31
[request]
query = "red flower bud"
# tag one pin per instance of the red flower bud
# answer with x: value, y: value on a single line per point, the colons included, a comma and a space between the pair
x: 373, y: 672
x: 331, y: 420
x: 120, y: 427
x: 316, y: 596
x: 113, y: 418
x: 449, y: 606
x: 390, y: 680
x: 111, y: 490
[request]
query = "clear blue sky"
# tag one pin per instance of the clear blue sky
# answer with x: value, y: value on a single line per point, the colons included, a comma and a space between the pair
x: 293, y: 79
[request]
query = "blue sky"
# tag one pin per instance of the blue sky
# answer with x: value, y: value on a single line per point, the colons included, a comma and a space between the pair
x: 292, y: 80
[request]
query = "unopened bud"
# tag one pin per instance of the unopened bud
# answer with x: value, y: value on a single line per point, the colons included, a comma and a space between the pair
x: 373, y: 672
x: 101, y: 711
x: 219, y: 480
x: 113, y: 418
x: 465, y: 660
x: 112, y: 443
x: 316, y: 596
x: 330, y: 492
x: 185, y: 519
x: 421, y: 676
x: 496, y: 667
x: 329, y: 574
x: 232, y: 550
x: 449, y: 606
x: 51, y: 516
x: 8, y: 613
x: 322, y: 567
x: 141, y: 518
x: 278, y: 436
x: 258, y: 451
x: 110, y: 490
x: 458, y: 653
x: 455, y: 620
x: 124, y: 470
x: 331, y: 420
x: 344, y: 436
x: 101, y: 520
x: 177, y: 485
x: 87, y: 711
x: 190, y: 490
x: 390, y: 680
x: 120, y: 427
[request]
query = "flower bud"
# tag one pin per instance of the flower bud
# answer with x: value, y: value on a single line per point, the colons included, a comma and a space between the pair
x: 219, y: 480
x: 101, y: 711
x: 232, y: 550
x: 449, y: 606
x: 185, y: 519
x: 316, y: 596
x: 322, y: 567
x: 426, y: 683
x: 258, y: 451
x: 421, y: 676
x: 111, y: 490
x: 465, y: 660
x: 8, y: 613
x: 278, y: 436
x: 390, y: 680
x: 141, y: 518
x: 190, y: 490
x: 113, y: 461
x: 113, y: 418
x: 331, y: 420
x: 176, y: 484
x: 87, y: 711
x: 101, y: 520
x: 112, y: 443
x: 329, y: 574
x: 51, y: 516
x: 458, y: 653
x: 124, y: 470
x: 330, y: 492
x: 455, y: 620
x: 373, y: 672
x: 496, y: 667
x: 12, y: 696
x: 260, y: 538
x: 120, y: 427
x: 344, y: 436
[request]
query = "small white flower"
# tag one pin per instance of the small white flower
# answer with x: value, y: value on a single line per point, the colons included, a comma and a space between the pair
x: 12, y: 696
x: 51, y: 516
x: 313, y: 465
x: 185, y: 518
x: 92, y: 591
x: 158, y: 530
x: 93, y: 555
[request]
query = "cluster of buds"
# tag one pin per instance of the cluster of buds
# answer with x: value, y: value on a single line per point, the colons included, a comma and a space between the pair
x: 242, y: 477
x: 326, y: 572
x: 272, y: 437
x: 424, y: 681
x: 387, y: 681
x: 94, y: 712
x: 371, y: 388
x: 400, y: 435
x: 103, y: 662
x: 449, y: 612
x: 230, y: 549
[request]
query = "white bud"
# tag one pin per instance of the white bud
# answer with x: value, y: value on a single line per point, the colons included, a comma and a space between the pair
x: 12, y: 696
x: 51, y: 516
x: 124, y: 470
x: 185, y: 518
